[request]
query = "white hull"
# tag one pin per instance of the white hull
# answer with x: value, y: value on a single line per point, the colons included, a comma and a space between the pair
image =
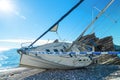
x: 50, y: 61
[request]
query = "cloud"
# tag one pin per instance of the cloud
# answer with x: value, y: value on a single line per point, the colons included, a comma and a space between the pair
x: 25, y: 41
x: 17, y: 43
x: 19, y: 15
x: 15, y: 40
x: 23, y: 17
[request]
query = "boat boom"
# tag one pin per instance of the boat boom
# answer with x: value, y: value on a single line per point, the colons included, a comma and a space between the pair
x: 57, y: 22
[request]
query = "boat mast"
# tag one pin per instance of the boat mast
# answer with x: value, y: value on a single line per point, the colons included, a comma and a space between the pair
x: 96, y: 18
x: 57, y: 22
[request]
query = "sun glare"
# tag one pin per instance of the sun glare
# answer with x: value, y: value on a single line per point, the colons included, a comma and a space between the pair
x: 6, y: 6
x: 3, y: 49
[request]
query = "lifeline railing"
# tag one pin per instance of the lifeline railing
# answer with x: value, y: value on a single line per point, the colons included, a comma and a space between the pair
x: 97, y: 53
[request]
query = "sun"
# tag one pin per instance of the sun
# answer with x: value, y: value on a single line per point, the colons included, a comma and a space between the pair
x: 6, y: 6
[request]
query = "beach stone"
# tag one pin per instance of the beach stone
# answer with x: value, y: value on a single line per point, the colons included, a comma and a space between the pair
x: 99, y: 72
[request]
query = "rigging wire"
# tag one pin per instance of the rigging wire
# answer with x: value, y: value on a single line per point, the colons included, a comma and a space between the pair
x: 108, y: 28
x: 100, y: 23
x: 92, y: 20
x: 113, y: 20
x: 92, y: 27
x: 108, y: 16
x: 59, y: 20
x: 76, y: 28
x: 59, y: 36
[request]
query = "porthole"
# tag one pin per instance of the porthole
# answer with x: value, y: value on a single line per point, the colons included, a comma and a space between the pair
x: 84, y: 60
x: 56, y: 51
x: 48, y: 51
x: 61, y: 50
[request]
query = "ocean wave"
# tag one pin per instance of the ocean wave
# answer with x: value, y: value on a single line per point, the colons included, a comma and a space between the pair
x: 3, y: 57
x: 9, y: 59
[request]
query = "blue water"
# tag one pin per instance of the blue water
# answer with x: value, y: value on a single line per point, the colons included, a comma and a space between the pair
x: 9, y: 59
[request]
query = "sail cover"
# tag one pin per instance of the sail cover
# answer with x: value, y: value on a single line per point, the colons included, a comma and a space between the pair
x: 54, y: 29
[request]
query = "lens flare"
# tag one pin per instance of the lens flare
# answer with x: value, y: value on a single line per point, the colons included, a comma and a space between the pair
x: 6, y: 6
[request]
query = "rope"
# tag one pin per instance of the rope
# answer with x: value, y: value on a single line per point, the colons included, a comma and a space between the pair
x: 59, y: 36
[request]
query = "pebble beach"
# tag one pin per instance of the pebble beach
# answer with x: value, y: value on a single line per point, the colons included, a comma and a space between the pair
x: 97, y: 72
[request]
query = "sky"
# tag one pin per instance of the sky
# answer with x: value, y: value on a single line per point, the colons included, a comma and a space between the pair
x: 25, y: 20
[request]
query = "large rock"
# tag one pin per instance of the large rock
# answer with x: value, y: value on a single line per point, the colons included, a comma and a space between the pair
x: 104, y: 44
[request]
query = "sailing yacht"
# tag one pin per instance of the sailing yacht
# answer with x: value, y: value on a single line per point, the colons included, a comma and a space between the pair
x: 53, y: 55
x: 59, y: 55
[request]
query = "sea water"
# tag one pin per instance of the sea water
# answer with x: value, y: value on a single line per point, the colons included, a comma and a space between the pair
x: 9, y: 59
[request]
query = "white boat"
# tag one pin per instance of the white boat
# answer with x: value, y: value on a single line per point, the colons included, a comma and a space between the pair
x: 53, y: 56
x: 58, y: 55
